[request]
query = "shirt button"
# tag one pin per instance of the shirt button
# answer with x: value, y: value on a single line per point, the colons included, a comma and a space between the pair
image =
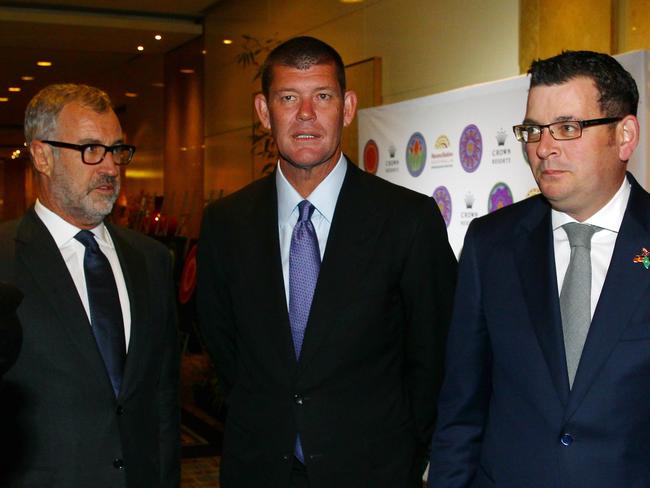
x: 118, y: 463
x: 298, y: 399
x: 566, y: 439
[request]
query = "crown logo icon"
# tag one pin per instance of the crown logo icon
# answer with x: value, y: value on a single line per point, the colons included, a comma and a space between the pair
x: 391, y: 151
x: 501, y: 137
x: 469, y: 200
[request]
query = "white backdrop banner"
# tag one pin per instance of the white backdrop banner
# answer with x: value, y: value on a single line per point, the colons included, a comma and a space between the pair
x: 459, y: 147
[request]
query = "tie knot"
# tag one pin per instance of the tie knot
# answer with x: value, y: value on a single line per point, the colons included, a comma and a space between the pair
x: 580, y: 234
x: 87, y: 238
x: 305, y: 209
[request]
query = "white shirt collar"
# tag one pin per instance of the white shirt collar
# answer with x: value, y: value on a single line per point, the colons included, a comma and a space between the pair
x: 63, y: 231
x: 323, y: 198
x: 609, y: 217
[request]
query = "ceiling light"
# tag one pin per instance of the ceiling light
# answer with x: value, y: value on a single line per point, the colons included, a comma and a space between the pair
x: 44, y: 64
x: 204, y: 52
x: 140, y: 48
x: 130, y: 94
x: 4, y: 99
x: 351, y: 1
x: 227, y: 42
x: 157, y: 37
x: 27, y: 78
x: 14, y: 89
x: 187, y: 71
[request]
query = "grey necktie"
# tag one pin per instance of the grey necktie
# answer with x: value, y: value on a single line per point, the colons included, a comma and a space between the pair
x: 575, y: 297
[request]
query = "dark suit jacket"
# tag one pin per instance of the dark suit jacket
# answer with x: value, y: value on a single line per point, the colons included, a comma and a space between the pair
x: 61, y: 421
x: 10, y: 331
x: 363, y: 394
x: 506, y: 406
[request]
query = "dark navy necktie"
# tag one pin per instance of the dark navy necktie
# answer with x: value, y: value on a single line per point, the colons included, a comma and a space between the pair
x: 304, y: 265
x: 105, y: 310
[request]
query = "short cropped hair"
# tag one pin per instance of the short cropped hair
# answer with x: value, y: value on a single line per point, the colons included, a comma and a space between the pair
x: 302, y: 53
x: 42, y: 112
x: 618, y: 92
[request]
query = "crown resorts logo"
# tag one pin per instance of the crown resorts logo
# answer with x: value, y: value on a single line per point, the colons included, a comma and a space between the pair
x: 501, y: 154
x: 469, y: 200
x: 469, y: 214
x: 502, y: 135
x: 371, y: 157
x: 416, y: 154
x: 500, y: 196
x: 470, y: 148
x: 443, y: 199
x: 391, y: 165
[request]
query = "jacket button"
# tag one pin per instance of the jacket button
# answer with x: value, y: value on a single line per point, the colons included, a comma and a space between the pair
x: 298, y: 399
x: 119, y: 410
x: 566, y: 439
x: 118, y: 463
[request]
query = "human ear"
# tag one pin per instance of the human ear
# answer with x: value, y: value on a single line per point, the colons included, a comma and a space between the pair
x: 262, y: 109
x: 627, y: 137
x: 349, y: 107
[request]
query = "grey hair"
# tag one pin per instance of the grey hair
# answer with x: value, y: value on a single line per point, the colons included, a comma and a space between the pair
x: 42, y: 112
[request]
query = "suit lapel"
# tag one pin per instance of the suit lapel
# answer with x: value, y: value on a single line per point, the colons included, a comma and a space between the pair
x: 134, y: 270
x: 38, y: 253
x: 535, y: 261
x: 263, y: 263
x: 355, y: 223
x: 625, y: 286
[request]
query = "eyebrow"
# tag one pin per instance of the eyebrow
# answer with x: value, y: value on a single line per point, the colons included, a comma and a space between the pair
x: 316, y: 89
x: 97, y: 141
x: 561, y: 118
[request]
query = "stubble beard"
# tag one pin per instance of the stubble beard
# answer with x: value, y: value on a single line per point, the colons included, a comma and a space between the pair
x: 85, y: 205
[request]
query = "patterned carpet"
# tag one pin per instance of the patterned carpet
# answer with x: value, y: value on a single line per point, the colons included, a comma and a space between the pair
x: 200, y: 434
x: 200, y: 472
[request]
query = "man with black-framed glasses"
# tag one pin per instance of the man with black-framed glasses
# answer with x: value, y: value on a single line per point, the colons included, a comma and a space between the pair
x: 548, y: 358
x: 93, y: 397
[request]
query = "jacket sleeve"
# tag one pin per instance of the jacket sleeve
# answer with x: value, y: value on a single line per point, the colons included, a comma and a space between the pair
x: 213, y: 301
x: 464, y: 398
x: 427, y: 288
x: 168, y: 394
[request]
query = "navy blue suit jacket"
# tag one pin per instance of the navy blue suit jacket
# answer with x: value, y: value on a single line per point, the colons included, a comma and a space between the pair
x: 506, y: 406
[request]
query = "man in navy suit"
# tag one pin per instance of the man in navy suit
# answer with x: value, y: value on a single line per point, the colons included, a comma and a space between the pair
x: 548, y: 359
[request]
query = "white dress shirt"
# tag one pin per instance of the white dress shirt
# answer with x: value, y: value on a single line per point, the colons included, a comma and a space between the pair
x: 73, y: 251
x: 323, y: 198
x: 609, y: 219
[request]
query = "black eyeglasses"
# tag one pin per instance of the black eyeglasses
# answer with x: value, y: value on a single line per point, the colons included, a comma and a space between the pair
x: 95, y: 153
x: 560, y: 131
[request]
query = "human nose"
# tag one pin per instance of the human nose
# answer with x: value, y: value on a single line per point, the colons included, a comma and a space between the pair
x: 547, y: 145
x: 107, y: 165
x: 306, y: 110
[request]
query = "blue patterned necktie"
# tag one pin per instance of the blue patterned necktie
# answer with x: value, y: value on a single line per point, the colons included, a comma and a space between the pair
x: 105, y: 309
x: 304, y: 265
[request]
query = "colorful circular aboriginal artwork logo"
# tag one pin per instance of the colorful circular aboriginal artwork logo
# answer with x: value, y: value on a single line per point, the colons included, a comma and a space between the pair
x: 470, y: 148
x: 416, y: 154
x: 500, y: 196
x: 443, y: 199
x: 371, y: 156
